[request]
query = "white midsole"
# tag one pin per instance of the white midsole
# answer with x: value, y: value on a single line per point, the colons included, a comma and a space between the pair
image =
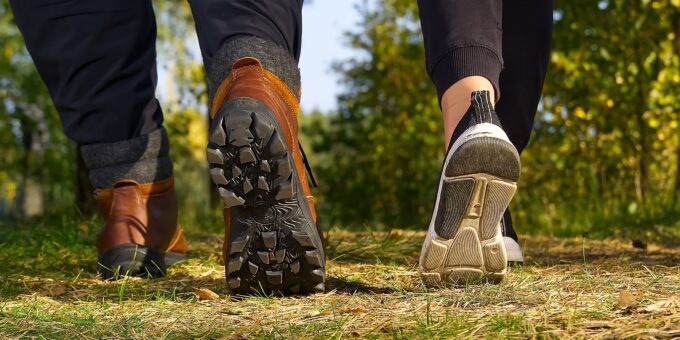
x: 513, y: 250
x: 479, y: 130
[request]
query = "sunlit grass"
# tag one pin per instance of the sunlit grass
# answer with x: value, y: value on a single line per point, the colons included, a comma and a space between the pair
x: 570, y: 287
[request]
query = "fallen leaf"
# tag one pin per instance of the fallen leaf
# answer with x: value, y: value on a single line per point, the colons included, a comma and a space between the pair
x: 206, y: 294
x: 57, y: 291
x: 626, y: 300
x: 349, y: 310
x: 596, y: 325
x: 657, y: 307
x: 639, y: 244
x: 51, y: 290
x: 318, y: 313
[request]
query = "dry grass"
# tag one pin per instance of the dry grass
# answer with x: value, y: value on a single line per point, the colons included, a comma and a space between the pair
x: 570, y: 288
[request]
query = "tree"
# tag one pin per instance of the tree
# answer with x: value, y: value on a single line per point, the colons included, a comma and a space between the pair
x: 605, y: 149
x: 609, y: 123
x: 385, y: 142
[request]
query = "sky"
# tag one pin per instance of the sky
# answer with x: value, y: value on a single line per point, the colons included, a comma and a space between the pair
x: 324, y: 22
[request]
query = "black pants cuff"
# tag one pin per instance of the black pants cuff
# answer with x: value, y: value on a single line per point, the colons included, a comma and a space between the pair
x: 464, y: 62
x: 144, y: 159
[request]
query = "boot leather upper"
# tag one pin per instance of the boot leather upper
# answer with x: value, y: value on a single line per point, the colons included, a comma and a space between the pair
x: 249, y: 79
x: 142, y: 214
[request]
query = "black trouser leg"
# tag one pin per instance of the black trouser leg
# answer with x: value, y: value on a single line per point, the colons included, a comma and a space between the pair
x: 98, y: 60
x: 269, y: 30
x: 462, y: 38
x: 527, y: 29
x: 217, y: 21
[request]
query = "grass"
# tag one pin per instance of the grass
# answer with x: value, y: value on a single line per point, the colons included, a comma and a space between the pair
x: 570, y: 288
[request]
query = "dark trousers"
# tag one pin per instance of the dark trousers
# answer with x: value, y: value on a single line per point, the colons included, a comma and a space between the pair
x: 508, y: 42
x: 98, y: 58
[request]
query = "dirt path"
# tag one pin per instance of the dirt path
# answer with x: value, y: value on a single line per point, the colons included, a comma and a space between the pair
x: 570, y: 288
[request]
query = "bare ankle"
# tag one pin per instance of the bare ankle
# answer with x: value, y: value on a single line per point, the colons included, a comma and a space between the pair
x: 456, y: 101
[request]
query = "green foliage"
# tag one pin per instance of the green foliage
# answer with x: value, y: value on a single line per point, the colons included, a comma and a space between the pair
x: 384, y: 145
x: 605, y: 148
x: 36, y: 159
x: 604, y: 153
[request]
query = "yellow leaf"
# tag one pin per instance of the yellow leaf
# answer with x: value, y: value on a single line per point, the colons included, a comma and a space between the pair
x: 626, y: 300
x: 580, y: 113
x: 654, y: 123
x: 206, y: 294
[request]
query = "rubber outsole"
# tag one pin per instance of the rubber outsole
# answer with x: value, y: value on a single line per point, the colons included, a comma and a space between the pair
x: 478, y: 183
x: 135, y: 260
x: 272, y: 242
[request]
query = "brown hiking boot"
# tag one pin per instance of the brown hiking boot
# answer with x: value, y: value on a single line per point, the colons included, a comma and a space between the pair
x: 271, y: 242
x: 140, y: 236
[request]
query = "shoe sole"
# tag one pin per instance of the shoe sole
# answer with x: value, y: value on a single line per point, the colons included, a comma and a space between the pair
x: 272, y: 242
x: 135, y: 260
x: 464, y: 243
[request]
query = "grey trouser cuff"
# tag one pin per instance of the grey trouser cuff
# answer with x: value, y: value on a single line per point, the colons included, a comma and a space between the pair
x: 144, y: 159
x: 273, y: 57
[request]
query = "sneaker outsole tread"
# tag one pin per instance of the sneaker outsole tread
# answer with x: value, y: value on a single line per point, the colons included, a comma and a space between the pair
x: 467, y: 246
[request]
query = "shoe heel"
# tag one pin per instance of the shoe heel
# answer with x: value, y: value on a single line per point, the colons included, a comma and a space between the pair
x: 270, y: 243
x: 131, y: 260
x: 478, y: 184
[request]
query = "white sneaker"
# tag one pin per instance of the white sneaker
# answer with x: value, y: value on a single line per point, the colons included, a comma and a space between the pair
x: 464, y: 242
x: 513, y: 251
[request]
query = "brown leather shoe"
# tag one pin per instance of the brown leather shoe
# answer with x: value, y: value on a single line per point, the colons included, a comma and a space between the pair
x: 140, y: 236
x: 272, y: 242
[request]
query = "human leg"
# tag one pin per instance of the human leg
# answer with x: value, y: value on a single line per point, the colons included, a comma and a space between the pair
x: 527, y: 29
x: 250, y: 50
x: 464, y: 60
x: 97, y: 59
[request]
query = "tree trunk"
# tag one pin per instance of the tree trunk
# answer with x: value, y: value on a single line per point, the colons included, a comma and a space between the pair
x: 676, y: 188
x: 85, y: 202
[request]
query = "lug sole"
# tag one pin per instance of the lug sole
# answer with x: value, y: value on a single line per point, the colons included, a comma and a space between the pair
x: 272, y: 242
x: 135, y: 260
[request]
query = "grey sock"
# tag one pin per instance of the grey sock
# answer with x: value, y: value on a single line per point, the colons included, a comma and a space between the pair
x: 273, y: 57
x: 144, y: 159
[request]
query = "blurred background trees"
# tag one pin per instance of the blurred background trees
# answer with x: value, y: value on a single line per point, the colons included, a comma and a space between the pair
x: 604, y: 157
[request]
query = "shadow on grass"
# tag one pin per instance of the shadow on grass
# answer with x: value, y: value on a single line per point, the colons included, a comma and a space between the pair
x: 58, y: 260
x: 545, y: 252
x: 177, y: 287
x: 345, y: 286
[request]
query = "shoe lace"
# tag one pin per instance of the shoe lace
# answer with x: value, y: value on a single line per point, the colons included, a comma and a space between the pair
x: 307, y: 166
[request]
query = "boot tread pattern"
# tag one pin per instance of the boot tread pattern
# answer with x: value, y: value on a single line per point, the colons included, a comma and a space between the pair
x: 272, y: 246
